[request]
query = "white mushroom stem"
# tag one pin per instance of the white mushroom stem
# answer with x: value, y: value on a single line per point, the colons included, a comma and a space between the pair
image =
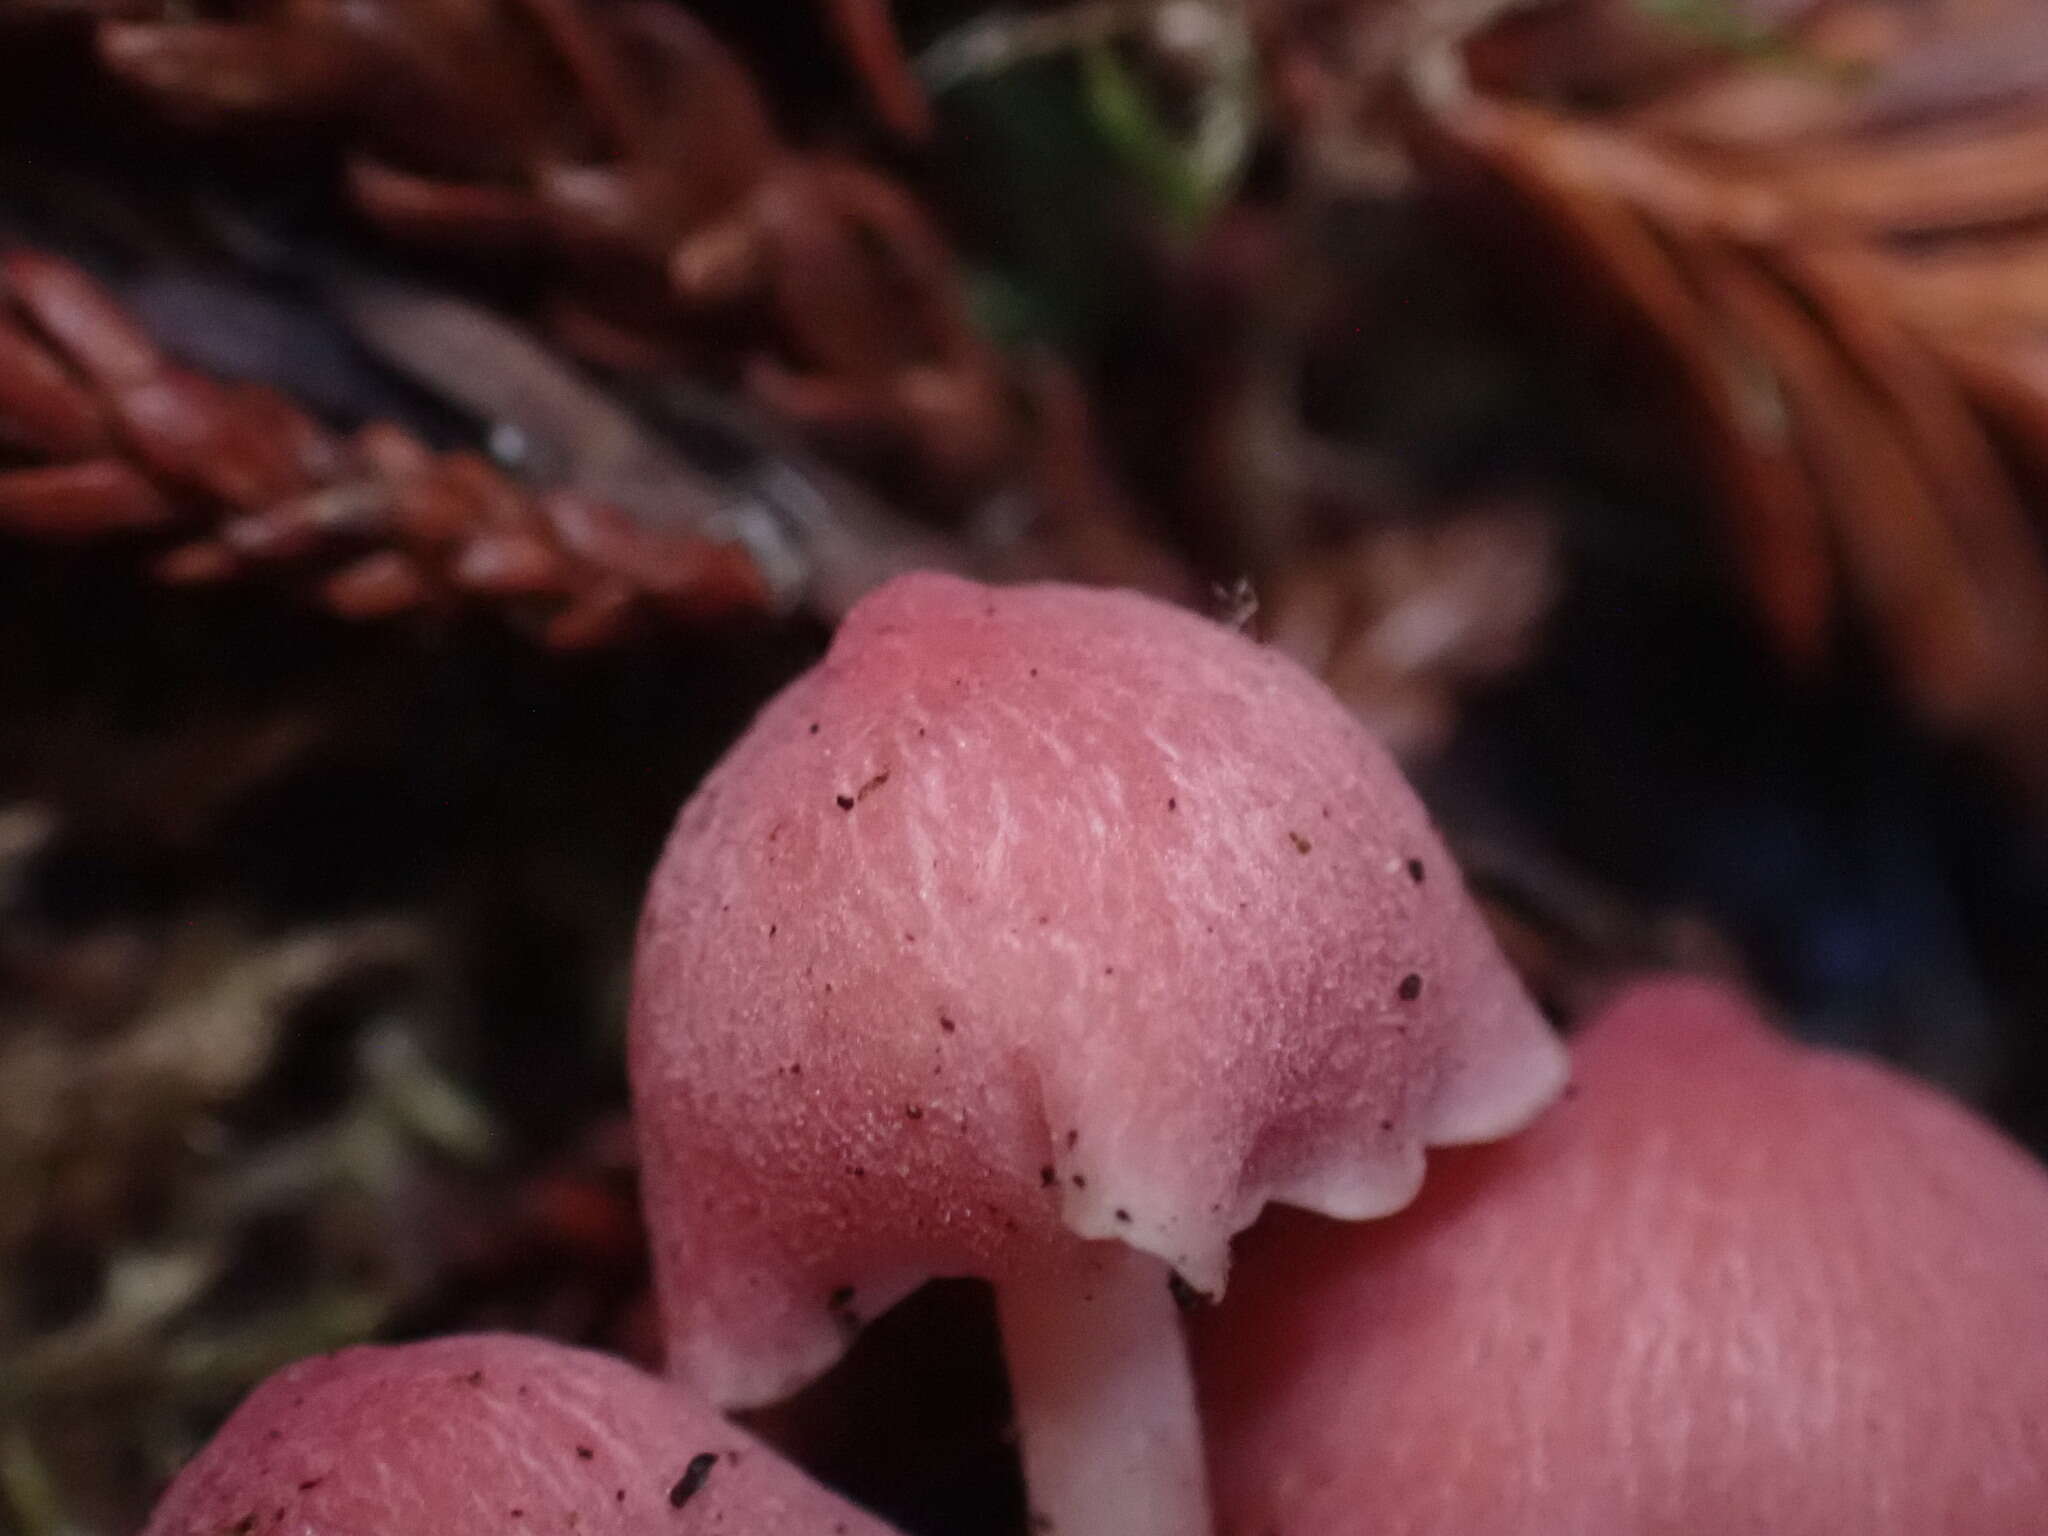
x: 1105, y: 1403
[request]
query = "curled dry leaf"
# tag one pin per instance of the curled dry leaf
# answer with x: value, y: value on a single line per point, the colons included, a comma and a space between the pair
x: 1830, y: 229
x: 868, y: 35
x: 1400, y: 621
x: 626, y: 151
x: 101, y: 435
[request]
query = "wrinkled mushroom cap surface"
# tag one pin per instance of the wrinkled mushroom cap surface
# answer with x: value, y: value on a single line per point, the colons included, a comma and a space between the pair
x: 482, y: 1435
x: 1731, y: 1285
x: 1034, y: 914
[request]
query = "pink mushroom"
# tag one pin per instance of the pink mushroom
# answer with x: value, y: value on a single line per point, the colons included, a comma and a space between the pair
x: 1734, y: 1285
x: 1045, y: 935
x: 487, y: 1435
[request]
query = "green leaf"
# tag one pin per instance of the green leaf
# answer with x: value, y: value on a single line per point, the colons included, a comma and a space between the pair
x: 1189, y: 178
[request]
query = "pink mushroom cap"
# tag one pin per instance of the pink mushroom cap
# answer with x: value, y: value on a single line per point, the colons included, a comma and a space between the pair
x: 1733, y: 1285
x: 1028, y: 921
x: 485, y: 1435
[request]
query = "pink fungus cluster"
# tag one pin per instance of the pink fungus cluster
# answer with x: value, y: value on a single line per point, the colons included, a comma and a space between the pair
x: 1049, y: 936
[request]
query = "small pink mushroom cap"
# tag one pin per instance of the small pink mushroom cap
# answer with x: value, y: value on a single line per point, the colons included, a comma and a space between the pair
x: 1732, y: 1285
x: 485, y: 1435
x: 1034, y: 916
